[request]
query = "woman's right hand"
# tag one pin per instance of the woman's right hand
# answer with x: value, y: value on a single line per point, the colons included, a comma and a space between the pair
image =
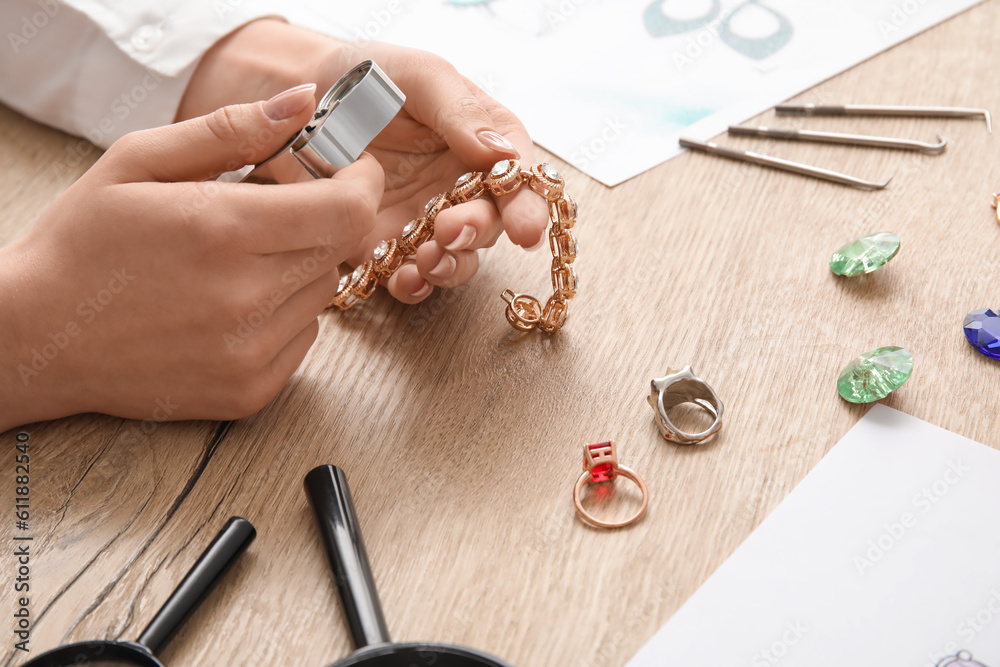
x: 150, y: 291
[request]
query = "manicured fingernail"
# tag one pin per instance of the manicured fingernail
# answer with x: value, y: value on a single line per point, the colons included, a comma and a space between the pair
x: 444, y: 268
x: 424, y: 291
x: 541, y: 242
x: 497, y: 142
x: 464, y: 240
x: 287, y: 104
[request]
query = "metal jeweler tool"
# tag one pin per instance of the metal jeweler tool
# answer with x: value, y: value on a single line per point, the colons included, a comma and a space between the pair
x: 347, y: 118
x: 778, y: 163
x: 883, y: 110
x: 840, y: 138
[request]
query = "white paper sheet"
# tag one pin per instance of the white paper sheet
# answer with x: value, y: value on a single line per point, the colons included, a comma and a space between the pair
x: 887, y: 553
x: 609, y: 85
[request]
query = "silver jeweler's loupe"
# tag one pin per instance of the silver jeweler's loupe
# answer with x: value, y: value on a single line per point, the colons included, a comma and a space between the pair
x: 349, y: 116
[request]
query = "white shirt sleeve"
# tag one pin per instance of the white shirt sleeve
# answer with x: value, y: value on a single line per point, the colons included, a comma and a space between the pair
x: 103, y: 68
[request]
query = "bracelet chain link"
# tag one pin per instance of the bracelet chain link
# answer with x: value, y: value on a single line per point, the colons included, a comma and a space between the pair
x: 506, y: 177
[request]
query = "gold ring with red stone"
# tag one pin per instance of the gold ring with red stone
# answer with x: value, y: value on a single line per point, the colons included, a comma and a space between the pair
x: 600, y: 465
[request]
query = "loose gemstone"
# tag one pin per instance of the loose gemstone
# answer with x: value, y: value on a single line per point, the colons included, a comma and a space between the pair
x: 358, y: 273
x: 380, y: 250
x: 410, y: 226
x: 550, y: 172
x: 875, y: 374
x: 463, y: 179
x: 865, y: 254
x: 500, y: 168
x: 982, y: 329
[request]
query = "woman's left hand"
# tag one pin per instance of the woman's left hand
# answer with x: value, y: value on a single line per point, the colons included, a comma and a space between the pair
x: 448, y: 126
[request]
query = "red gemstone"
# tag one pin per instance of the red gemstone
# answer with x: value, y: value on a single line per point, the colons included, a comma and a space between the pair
x: 604, y: 472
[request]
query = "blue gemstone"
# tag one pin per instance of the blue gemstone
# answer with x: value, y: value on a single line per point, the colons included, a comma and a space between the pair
x: 982, y: 328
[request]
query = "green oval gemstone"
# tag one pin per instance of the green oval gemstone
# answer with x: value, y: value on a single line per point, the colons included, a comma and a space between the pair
x: 865, y: 254
x: 875, y: 374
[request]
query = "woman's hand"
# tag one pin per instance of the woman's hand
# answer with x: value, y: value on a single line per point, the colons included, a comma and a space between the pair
x: 149, y: 292
x: 448, y: 126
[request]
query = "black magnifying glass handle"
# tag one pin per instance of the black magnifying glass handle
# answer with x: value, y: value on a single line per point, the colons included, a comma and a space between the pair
x: 331, y: 501
x: 220, y: 555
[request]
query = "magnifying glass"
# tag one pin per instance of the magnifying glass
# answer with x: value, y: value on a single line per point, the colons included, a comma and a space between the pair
x: 331, y: 501
x: 347, y: 118
x: 227, y: 546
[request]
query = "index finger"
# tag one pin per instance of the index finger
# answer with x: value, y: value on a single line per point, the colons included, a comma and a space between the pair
x: 337, y: 211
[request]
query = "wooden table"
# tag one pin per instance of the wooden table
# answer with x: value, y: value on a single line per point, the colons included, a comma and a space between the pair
x: 462, y: 439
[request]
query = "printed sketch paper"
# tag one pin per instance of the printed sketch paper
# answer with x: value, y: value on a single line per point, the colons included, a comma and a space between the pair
x: 887, y: 553
x: 609, y: 85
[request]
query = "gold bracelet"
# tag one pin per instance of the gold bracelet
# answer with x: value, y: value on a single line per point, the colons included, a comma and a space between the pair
x: 506, y: 177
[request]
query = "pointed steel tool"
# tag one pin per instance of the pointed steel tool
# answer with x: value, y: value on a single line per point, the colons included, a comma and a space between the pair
x: 883, y: 110
x: 840, y: 138
x: 785, y: 165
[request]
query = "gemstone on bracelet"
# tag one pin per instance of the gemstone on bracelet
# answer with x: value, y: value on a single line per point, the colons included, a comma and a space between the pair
x: 875, y: 374
x: 550, y: 172
x: 864, y: 255
x: 358, y: 273
x: 410, y: 226
x: 982, y: 330
x: 572, y: 246
x: 380, y: 250
x: 343, y: 283
x: 430, y: 205
x: 500, y: 168
x: 463, y: 179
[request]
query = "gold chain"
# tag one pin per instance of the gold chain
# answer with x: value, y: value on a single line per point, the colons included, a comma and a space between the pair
x: 506, y: 177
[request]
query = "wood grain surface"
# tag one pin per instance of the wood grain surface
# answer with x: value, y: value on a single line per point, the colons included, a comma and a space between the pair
x: 462, y: 438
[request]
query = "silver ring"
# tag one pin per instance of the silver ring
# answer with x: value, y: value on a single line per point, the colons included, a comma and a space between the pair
x: 679, y: 387
x: 349, y: 116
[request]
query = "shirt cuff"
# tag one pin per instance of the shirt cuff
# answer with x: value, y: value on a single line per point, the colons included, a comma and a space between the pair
x: 116, y: 95
x: 171, y: 36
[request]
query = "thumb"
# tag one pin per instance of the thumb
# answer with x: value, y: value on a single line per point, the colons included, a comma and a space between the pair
x: 206, y: 146
x: 453, y: 109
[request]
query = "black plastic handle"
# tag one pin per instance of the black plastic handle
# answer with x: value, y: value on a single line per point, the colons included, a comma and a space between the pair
x: 331, y: 501
x: 227, y: 546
